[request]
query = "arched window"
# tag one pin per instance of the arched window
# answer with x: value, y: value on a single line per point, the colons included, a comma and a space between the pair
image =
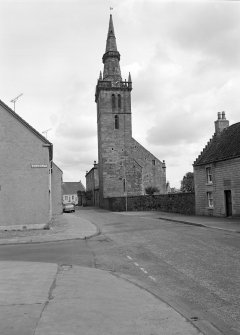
x: 119, y: 101
x: 113, y: 101
x: 116, y: 121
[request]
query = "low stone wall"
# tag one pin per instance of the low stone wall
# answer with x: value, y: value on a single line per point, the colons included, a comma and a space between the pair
x: 183, y: 203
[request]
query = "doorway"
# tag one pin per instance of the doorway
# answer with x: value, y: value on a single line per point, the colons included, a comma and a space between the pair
x: 228, y: 202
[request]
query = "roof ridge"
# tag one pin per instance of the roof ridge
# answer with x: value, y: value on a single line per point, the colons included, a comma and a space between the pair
x: 222, y: 146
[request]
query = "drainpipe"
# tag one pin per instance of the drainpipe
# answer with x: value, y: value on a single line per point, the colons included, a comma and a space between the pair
x: 50, y: 191
x: 50, y: 151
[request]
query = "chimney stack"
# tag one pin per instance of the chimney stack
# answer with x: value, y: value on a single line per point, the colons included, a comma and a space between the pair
x: 221, y: 123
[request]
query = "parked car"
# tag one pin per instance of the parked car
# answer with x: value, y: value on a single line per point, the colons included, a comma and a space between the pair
x: 68, y: 208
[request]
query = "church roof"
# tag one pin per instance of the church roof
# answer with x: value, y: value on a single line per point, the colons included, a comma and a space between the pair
x: 72, y: 187
x: 223, y: 146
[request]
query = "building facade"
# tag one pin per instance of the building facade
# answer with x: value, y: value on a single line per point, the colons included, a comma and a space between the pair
x: 92, y: 185
x: 125, y: 167
x: 70, y: 192
x: 57, y: 206
x: 26, y: 198
x: 217, y: 172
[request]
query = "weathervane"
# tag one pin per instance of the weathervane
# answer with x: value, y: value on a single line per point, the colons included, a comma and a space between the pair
x: 111, y: 9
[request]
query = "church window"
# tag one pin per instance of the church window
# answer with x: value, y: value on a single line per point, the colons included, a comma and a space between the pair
x: 113, y: 101
x: 116, y: 120
x: 124, y: 185
x: 119, y: 101
x: 153, y: 162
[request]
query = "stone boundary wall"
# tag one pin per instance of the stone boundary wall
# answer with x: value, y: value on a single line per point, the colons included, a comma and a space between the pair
x: 183, y: 203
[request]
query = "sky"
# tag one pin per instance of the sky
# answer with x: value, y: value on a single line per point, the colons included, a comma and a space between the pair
x: 184, y: 59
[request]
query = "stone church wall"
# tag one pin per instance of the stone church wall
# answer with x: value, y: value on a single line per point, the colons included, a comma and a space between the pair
x: 153, y: 173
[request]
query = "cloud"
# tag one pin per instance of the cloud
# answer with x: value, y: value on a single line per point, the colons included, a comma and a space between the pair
x: 209, y: 27
x: 79, y: 131
x: 183, y: 58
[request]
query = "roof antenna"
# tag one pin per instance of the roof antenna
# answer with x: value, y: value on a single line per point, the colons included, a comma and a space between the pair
x: 15, y: 99
x: 45, y: 132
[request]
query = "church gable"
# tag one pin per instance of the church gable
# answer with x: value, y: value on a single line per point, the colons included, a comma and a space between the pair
x: 153, y: 170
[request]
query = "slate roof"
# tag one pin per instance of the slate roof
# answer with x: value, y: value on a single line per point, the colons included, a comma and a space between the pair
x: 72, y: 187
x: 223, y: 146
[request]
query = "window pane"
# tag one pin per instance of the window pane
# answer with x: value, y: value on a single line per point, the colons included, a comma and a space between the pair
x: 116, y: 122
x: 113, y: 101
x: 210, y: 199
x: 119, y: 101
x: 209, y: 174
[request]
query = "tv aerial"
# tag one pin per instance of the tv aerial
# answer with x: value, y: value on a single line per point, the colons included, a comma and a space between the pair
x: 45, y: 132
x: 15, y: 100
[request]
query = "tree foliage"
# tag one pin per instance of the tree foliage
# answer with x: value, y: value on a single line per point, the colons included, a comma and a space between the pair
x: 187, y: 184
x: 150, y: 190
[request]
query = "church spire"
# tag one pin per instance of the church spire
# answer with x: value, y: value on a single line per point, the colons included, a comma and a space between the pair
x: 111, y: 57
x: 111, y: 44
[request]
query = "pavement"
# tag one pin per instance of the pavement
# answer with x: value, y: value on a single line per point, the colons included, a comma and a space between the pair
x: 51, y: 299
x: 47, y: 299
x: 63, y: 227
x: 230, y: 224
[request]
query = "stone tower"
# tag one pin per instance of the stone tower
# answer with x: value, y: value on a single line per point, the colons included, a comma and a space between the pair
x: 125, y: 167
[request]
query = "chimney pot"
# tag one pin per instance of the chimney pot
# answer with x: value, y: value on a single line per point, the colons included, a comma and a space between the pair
x: 221, y: 123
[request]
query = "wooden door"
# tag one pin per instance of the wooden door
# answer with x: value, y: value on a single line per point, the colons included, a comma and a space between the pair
x: 228, y: 201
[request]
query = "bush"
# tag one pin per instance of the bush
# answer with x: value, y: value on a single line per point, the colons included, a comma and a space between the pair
x: 150, y: 190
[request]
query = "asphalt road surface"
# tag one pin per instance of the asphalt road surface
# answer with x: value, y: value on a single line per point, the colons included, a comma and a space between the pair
x: 195, y: 270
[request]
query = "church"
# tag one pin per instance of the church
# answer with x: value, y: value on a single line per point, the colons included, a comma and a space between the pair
x: 125, y: 167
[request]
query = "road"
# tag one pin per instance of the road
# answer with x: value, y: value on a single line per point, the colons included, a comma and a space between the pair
x: 195, y: 270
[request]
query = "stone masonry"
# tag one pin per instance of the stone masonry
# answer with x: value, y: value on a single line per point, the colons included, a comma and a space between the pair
x: 125, y: 167
x: 217, y: 172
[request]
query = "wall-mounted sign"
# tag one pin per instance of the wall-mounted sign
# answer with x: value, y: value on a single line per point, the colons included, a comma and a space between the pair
x: 39, y: 166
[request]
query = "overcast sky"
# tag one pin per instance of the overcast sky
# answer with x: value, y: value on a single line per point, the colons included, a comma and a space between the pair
x: 184, y: 58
